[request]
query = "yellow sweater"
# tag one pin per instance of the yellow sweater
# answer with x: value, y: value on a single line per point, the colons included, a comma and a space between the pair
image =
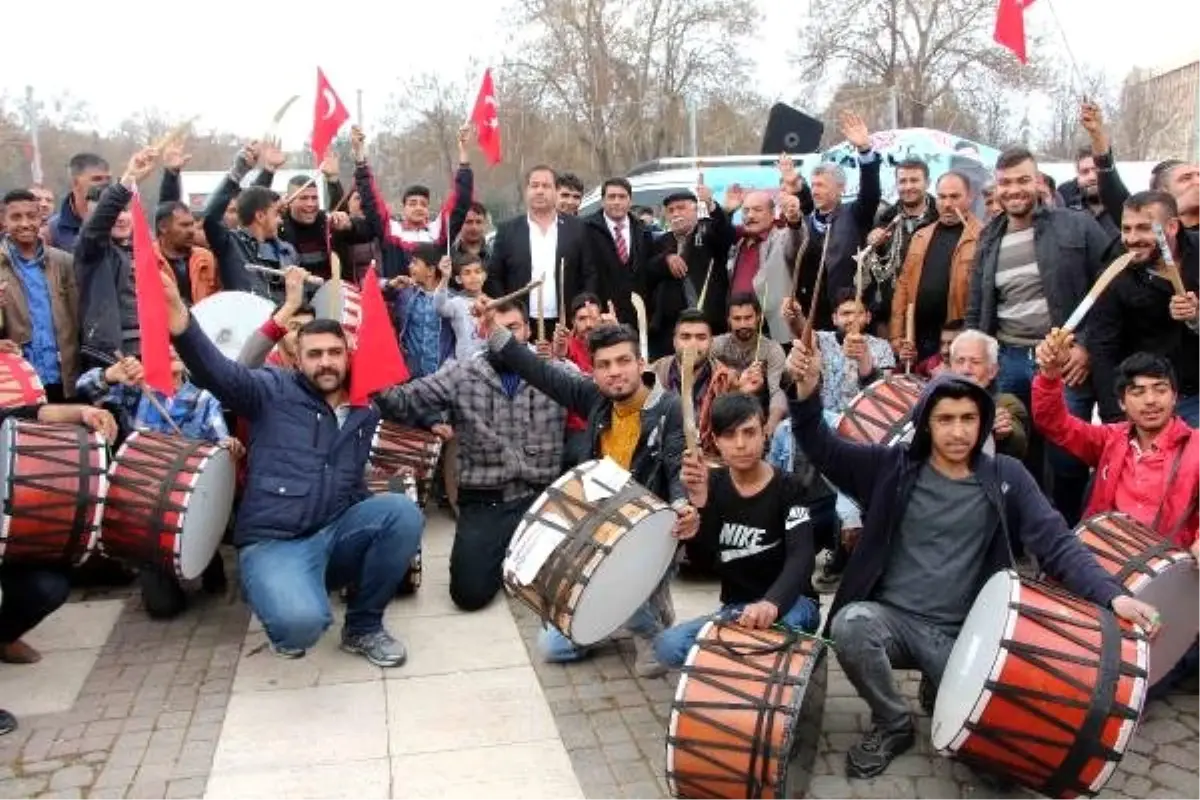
x: 620, y: 439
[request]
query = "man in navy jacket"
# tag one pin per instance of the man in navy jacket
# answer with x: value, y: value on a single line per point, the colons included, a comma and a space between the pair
x: 937, y: 517
x: 306, y: 520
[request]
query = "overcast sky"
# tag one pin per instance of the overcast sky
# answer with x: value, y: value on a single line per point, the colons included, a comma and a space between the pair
x: 195, y: 66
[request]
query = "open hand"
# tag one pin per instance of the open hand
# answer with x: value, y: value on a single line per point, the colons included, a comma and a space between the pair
x: 758, y: 616
x: 805, y: 368
x: 855, y: 130
x: 99, y: 421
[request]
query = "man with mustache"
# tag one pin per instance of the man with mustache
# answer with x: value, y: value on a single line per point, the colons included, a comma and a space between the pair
x: 1140, y: 312
x: 306, y: 521
x: 744, y: 346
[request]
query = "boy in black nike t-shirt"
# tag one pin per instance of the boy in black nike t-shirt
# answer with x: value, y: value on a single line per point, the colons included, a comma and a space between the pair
x: 755, y: 519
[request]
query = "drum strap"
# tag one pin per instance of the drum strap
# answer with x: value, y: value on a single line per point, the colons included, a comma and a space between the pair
x: 1162, y: 504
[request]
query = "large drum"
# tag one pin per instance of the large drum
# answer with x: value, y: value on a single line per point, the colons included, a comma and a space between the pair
x: 19, y: 383
x: 345, y: 306
x: 747, y: 714
x: 399, y: 450
x: 168, y: 504
x: 54, y: 482
x: 590, y: 551
x: 1154, y: 570
x: 1042, y: 687
x: 229, y: 318
x: 882, y: 412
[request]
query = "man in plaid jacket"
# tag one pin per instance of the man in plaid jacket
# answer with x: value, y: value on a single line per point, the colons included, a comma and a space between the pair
x: 510, y: 446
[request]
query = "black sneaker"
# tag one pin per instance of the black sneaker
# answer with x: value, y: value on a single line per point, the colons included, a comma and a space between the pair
x: 8, y: 723
x: 927, y: 695
x: 213, y: 579
x: 162, y: 596
x: 871, y: 756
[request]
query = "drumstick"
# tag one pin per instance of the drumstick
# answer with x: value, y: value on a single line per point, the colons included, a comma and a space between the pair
x: 293, y: 195
x: 800, y: 251
x: 540, y: 316
x: 1170, y: 269
x: 335, y: 297
x: 1108, y: 276
x: 761, y: 319
x: 859, y: 279
x: 562, y: 292
x: 704, y: 288
x: 806, y: 333
x: 491, y: 306
x: 174, y: 133
x: 316, y: 280
x: 687, y: 380
x: 910, y: 332
x: 639, y: 308
x: 158, y: 406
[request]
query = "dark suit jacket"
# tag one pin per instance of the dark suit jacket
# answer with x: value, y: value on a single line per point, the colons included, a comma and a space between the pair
x: 511, y: 266
x: 617, y: 281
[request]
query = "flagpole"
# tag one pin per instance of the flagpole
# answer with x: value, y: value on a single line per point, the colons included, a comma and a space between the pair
x: 1067, y: 46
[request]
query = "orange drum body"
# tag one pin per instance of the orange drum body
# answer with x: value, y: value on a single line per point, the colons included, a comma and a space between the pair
x: 19, y: 383
x: 1154, y: 570
x: 882, y: 412
x: 53, y: 479
x: 345, y: 307
x: 747, y: 714
x: 169, y: 502
x: 1041, y: 687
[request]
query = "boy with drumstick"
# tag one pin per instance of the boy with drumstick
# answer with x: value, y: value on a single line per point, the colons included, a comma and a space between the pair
x: 757, y: 520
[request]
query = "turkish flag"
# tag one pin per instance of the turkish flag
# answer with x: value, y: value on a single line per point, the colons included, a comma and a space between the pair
x: 151, y: 304
x: 329, y: 114
x: 377, y: 362
x: 486, y: 120
x: 1010, y: 26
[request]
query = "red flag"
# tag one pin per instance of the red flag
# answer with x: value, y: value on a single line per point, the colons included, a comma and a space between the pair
x: 1010, y: 26
x: 151, y: 304
x: 377, y: 362
x: 329, y: 114
x: 487, y: 122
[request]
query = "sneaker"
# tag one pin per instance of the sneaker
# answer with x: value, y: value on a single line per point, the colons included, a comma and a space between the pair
x: 927, y: 695
x: 8, y: 723
x: 162, y: 596
x: 291, y: 653
x: 871, y: 756
x: 646, y: 664
x: 378, y: 647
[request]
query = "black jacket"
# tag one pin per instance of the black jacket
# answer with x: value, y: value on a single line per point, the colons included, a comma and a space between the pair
x: 1132, y: 316
x: 108, y: 319
x: 879, y: 297
x: 511, y: 267
x: 615, y: 282
x: 1072, y: 250
x: 881, y: 480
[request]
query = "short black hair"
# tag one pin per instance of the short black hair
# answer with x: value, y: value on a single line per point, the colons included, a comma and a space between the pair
x: 478, y: 208
x: 914, y: 163
x: 303, y: 311
x: 744, y: 299
x: 846, y: 294
x: 428, y: 253
x: 296, y: 181
x: 1051, y: 184
x: 416, y: 190
x: 19, y: 196
x: 568, y: 180
x: 954, y: 173
x: 541, y: 168
x: 1143, y: 200
x: 321, y: 325
x: 955, y: 325
x: 605, y: 336
x: 732, y: 409
x: 252, y: 200
x: 582, y: 299
x: 1014, y: 156
x: 511, y: 305
x: 692, y: 316
x: 1144, y: 365
x: 82, y: 162
x: 620, y: 183
x: 1160, y: 170
x: 1083, y: 152
x: 166, y: 210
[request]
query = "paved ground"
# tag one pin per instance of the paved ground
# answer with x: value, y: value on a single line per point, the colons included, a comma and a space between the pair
x: 126, y: 707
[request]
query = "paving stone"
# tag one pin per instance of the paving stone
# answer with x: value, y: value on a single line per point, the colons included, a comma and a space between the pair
x: 72, y: 777
x: 39, y: 767
x: 832, y: 786
x: 187, y: 788
x: 65, y: 794
x: 624, y: 751
x: 1178, y: 779
x: 1165, y: 731
x: 937, y: 787
x: 23, y: 787
x: 174, y: 719
x: 643, y: 789
x: 115, y: 776
x: 147, y: 790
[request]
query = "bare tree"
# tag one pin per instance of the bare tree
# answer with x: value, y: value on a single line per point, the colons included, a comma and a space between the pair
x: 1152, y: 121
x: 1062, y: 136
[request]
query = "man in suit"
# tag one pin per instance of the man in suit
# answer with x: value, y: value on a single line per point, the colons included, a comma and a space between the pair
x: 620, y: 246
x: 541, y: 243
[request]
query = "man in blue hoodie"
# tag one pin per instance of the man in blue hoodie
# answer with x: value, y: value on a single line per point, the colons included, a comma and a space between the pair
x: 936, y: 514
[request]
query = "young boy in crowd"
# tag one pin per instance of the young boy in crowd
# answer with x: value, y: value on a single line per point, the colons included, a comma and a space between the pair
x: 425, y: 337
x: 468, y: 274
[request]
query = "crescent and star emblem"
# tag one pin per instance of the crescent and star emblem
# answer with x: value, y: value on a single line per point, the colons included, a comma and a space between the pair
x: 330, y: 102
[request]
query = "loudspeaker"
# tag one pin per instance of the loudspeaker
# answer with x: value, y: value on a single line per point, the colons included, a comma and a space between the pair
x: 791, y: 131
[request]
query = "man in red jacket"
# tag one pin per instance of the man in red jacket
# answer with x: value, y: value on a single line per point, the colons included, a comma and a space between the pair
x: 1146, y: 467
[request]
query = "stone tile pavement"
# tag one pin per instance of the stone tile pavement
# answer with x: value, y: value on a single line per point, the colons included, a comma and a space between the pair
x: 123, y: 706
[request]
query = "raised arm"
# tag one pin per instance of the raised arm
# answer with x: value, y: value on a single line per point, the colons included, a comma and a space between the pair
x: 569, y: 389
x: 464, y: 190
x: 417, y: 402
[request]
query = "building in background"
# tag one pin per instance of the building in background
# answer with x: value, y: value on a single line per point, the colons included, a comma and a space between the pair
x: 1160, y: 111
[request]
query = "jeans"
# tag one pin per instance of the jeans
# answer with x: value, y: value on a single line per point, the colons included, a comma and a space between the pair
x: 480, y: 541
x: 847, y: 510
x: 30, y: 595
x: 782, y: 456
x: 1017, y: 368
x: 872, y: 639
x: 1188, y: 407
x: 647, y: 621
x: 370, y: 544
x: 671, y: 647
x: 1070, y: 474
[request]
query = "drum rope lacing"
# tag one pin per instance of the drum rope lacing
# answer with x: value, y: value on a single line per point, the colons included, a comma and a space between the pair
x: 881, y: 402
x: 1135, y: 550
x: 1085, y: 745
x: 146, y: 462
x: 82, y: 443
x: 762, y: 755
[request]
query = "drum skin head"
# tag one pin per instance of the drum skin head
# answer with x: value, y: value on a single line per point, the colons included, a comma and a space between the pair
x: 229, y: 318
x: 208, y: 513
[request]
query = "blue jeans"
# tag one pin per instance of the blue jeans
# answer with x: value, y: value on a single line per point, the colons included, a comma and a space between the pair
x: 671, y: 647
x: 1188, y: 407
x: 646, y: 621
x: 782, y: 456
x: 287, y: 581
x: 1017, y: 368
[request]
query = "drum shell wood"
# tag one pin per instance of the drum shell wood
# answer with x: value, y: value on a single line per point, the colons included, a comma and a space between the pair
x: 401, y: 450
x: 1154, y: 570
x: 19, y: 383
x: 1040, y: 718
x: 154, y: 503
x: 789, y: 707
x: 882, y: 412
x: 408, y: 485
x: 55, y: 484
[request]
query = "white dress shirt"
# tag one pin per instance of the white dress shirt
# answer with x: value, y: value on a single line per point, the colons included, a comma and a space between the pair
x: 543, y: 258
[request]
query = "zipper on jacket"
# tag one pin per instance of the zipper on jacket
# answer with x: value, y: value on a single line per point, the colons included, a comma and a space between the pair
x: 317, y: 432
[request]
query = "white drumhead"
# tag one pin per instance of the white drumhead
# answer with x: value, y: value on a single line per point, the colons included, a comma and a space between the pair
x: 625, y: 578
x: 976, y: 656
x: 208, y: 508
x: 229, y: 319
x: 1173, y: 592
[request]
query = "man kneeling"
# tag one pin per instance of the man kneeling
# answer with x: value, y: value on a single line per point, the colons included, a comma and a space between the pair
x: 307, y: 523
x: 755, y: 519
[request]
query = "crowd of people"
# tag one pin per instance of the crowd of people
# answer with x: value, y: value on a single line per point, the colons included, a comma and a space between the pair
x: 784, y: 304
